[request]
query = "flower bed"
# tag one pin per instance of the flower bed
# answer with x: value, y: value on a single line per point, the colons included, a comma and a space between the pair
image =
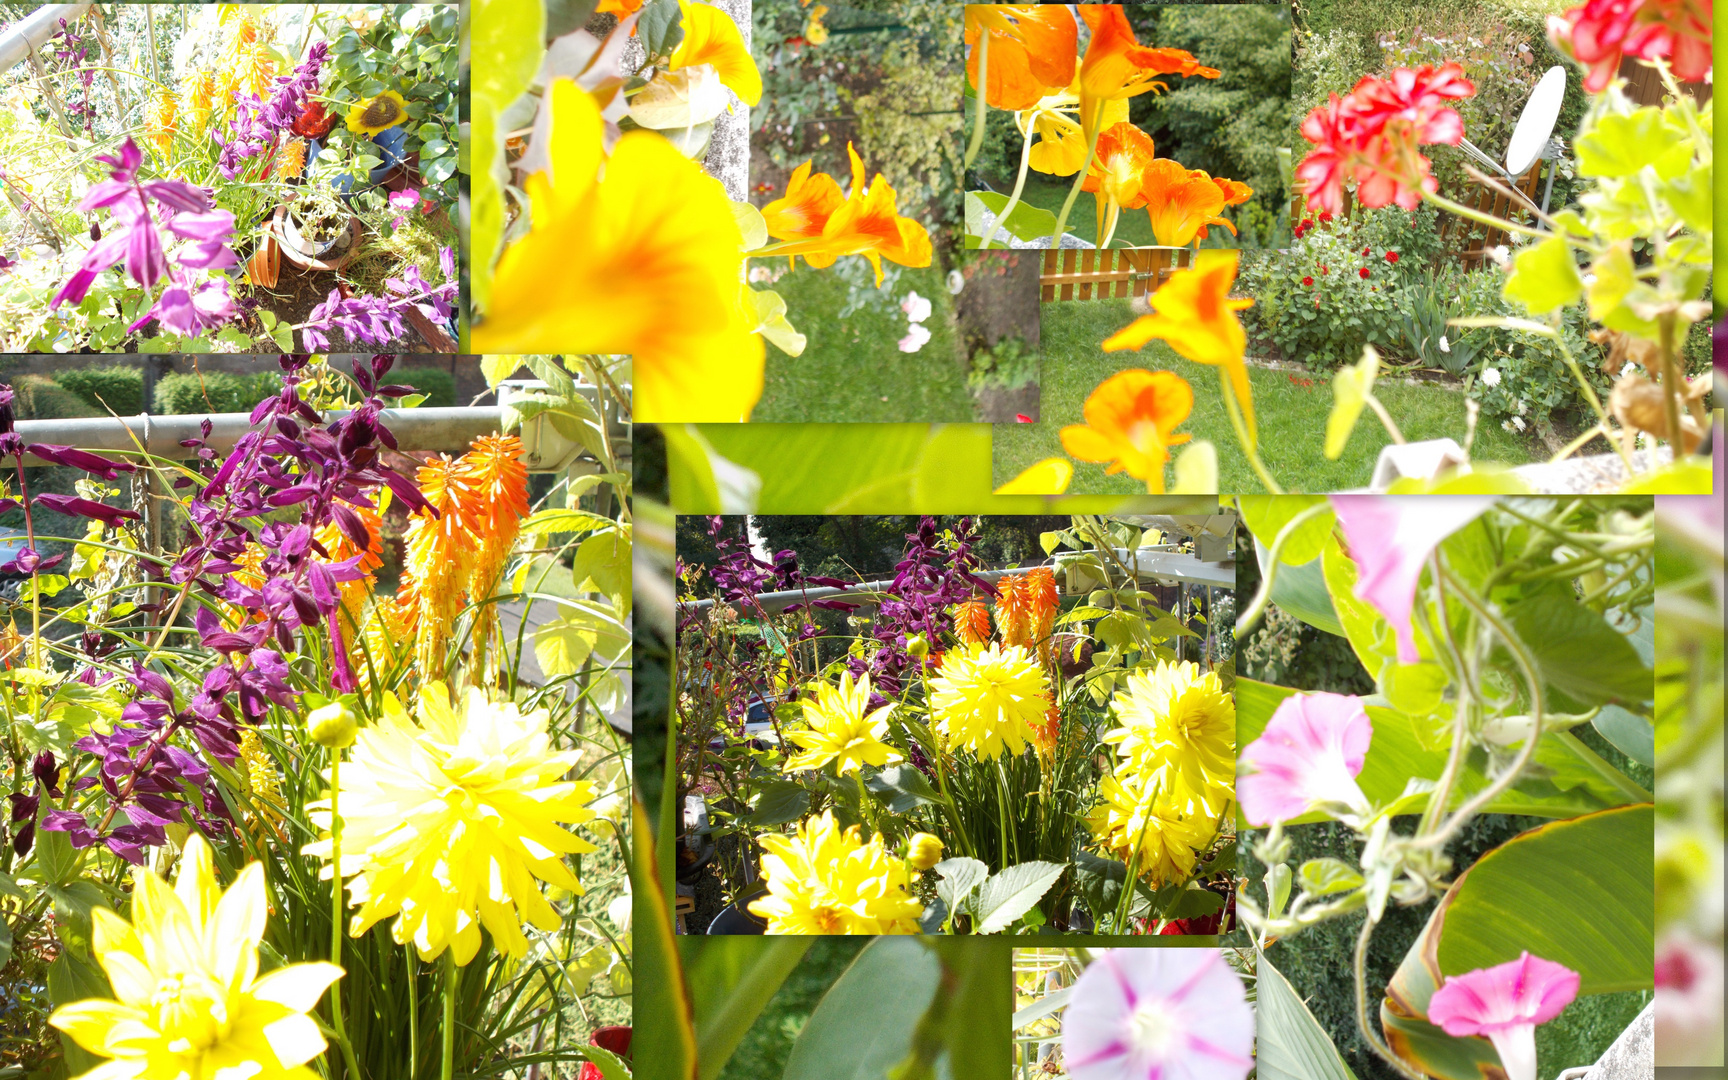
x: 260, y: 178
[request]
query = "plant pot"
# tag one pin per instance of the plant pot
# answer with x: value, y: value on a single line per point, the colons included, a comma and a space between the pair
x: 265, y: 265
x: 311, y: 254
x: 435, y: 336
x: 733, y: 919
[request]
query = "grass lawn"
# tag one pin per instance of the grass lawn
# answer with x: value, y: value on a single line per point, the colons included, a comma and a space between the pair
x: 1132, y: 226
x: 1291, y: 417
x: 852, y: 369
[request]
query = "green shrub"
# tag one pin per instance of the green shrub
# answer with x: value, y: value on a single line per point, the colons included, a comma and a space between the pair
x: 41, y: 398
x: 213, y: 392
x: 1533, y: 383
x: 1007, y: 365
x: 438, y: 385
x: 115, y: 387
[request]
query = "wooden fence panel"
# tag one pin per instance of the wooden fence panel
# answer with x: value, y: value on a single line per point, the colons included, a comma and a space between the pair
x: 1114, y: 273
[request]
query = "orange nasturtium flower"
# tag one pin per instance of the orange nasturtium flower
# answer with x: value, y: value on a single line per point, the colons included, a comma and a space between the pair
x: 866, y: 223
x: 1117, y: 66
x: 1115, y: 177
x: 1181, y: 202
x: 1129, y: 418
x: 1061, y: 146
x: 1196, y: 315
x: 711, y: 37
x: 620, y: 8
x: 646, y: 261
x: 1032, y: 50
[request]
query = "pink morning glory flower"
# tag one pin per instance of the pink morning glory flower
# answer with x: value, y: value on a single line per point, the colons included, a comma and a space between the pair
x: 1504, y: 1003
x: 1310, y: 753
x: 1158, y: 1014
x: 1390, y: 538
x: 1689, y: 989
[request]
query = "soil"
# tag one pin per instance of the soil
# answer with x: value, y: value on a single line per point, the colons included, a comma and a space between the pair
x: 1006, y: 406
x: 1000, y: 301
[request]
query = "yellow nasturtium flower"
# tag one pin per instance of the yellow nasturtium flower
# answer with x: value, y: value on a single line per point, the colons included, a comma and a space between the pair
x: 377, y: 114
x: 449, y: 818
x: 188, y: 999
x: 711, y: 37
x: 646, y: 261
x: 1061, y: 146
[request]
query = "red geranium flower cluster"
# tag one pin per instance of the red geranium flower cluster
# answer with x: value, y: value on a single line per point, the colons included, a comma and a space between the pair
x: 1308, y: 281
x: 1372, y: 134
x: 1599, y: 33
x: 1303, y: 226
x: 1363, y: 272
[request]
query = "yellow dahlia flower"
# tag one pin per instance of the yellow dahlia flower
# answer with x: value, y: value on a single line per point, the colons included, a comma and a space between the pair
x: 1178, y: 717
x: 824, y: 881
x: 839, y: 730
x: 377, y: 114
x: 990, y: 696
x: 1170, y: 830
x: 447, y: 821
x: 188, y: 997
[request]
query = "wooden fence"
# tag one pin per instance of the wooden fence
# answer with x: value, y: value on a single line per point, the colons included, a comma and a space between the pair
x: 1090, y: 274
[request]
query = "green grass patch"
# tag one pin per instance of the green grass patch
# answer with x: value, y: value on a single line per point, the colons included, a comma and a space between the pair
x: 1292, y: 417
x: 852, y: 369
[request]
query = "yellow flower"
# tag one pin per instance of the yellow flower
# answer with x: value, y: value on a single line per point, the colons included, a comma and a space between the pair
x: 985, y: 697
x: 923, y: 851
x: 198, y: 89
x: 1178, y: 717
x: 867, y: 223
x: 1048, y: 477
x: 1168, y: 830
x: 645, y: 262
x: 160, y: 120
x: 188, y: 999
x: 448, y: 820
x: 814, y: 31
x: 293, y: 160
x: 377, y: 114
x: 824, y: 881
x: 839, y: 730
x: 1130, y: 420
x: 1061, y: 148
x: 711, y: 37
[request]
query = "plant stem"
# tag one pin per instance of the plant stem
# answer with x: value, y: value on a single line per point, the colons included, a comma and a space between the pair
x: 1246, y: 623
x: 1248, y: 447
x: 1014, y: 199
x: 1361, y: 973
x: 336, y: 1020
x: 983, y: 87
x: 1079, y: 182
x: 1386, y: 419
x: 1671, y: 378
x: 1620, y: 780
x: 450, y: 1013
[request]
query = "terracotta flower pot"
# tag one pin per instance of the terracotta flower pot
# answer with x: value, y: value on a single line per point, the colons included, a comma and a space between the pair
x: 311, y: 254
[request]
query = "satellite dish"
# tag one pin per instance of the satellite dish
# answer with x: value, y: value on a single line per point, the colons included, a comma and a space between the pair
x: 1536, y: 122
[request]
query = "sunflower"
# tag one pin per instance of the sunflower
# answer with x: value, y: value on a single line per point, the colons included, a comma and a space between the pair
x: 838, y: 728
x: 188, y: 999
x: 825, y: 881
x: 448, y: 819
x: 986, y: 697
x: 377, y: 114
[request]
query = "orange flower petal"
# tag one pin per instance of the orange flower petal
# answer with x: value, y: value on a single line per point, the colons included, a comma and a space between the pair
x: 809, y: 201
x: 1033, y: 51
x: 1129, y: 420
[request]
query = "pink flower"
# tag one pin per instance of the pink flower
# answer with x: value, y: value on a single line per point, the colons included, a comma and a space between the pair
x: 917, y: 336
x: 404, y: 200
x: 1688, y: 1002
x: 1504, y: 1003
x: 1310, y: 753
x: 1390, y: 538
x: 1168, y: 1014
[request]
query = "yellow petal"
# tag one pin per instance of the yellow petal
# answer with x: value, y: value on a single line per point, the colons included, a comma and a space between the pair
x: 297, y: 986
x: 196, y: 885
x: 711, y: 37
x: 235, y: 929
x: 89, y: 1022
x: 1048, y: 477
x: 1197, y: 470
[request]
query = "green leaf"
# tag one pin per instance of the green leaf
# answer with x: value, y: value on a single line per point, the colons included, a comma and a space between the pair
x: 1620, y: 145
x: 54, y: 856
x: 779, y: 802
x: 1350, y: 389
x: 560, y: 520
x: 977, y: 1032
x: 1301, y: 591
x: 1193, y: 903
x: 1579, y: 653
x: 1266, y: 516
x: 1027, y: 222
x: 9, y: 886
x: 498, y: 368
x: 5, y: 941
x: 1631, y: 734
x: 1323, y: 877
x: 1578, y: 892
x: 1289, y: 1043
x: 611, y: 1066
x: 1012, y: 893
x: 664, y: 1044
x: 1044, y: 1006
x: 863, y: 1025
x: 700, y: 480
x: 751, y: 225
x: 956, y: 878
x: 770, y: 311
x: 1544, y: 277
x: 902, y: 788
x: 603, y: 564
x: 72, y: 979
x: 510, y: 34
x: 661, y: 27
x: 733, y: 979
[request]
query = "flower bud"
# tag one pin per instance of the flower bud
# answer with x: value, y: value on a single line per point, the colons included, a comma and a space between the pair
x: 333, y: 725
x: 917, y: 646
x: 924, y: 851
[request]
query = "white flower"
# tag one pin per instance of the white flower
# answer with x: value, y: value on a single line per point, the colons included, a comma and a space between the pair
x: 1178, y: 1014
x: 956, y: 282
x: 1490, y: 376
x: 1501, y: 255
x: 915, y: 339
x: 1445, y: 346
x: 1518, y: 422
x: 916, y: 307
x: 761, y: 273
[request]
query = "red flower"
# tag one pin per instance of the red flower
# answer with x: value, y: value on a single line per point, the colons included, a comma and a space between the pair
x: 1324, y: 270
x: 1308, y: 281
x: 1391, y: 256
x: 615, y: 1039
x: 1022, y: 418
x: 1325, y: 216
x: 313, y: 122
x: 1363, y: 272
x: 1599, y: 32
x: 1372, y: 135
